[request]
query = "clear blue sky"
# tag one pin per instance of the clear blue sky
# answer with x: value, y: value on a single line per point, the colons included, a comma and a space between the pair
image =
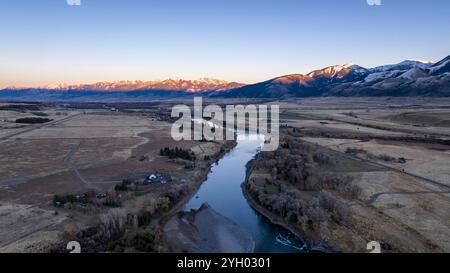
x: 47, y: 41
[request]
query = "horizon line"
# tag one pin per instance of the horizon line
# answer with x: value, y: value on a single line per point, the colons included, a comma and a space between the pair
x: 47, y: 86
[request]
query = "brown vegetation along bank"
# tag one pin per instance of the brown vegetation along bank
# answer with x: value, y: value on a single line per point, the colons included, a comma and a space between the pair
x: 136, y: 224
x: 318, y: 194
x: 79, y: 163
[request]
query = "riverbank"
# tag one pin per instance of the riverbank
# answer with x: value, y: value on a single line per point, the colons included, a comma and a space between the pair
x: 162, y: 221
x: 142, y: 214
x: 330, y: 197
x: 192, y: 181
x: 206, y: 231
x: 311, y: 244
x: 223, y: 192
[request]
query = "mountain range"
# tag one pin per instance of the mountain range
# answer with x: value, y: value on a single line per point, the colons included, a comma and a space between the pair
x: 408, y: 78
x: 190, y: 86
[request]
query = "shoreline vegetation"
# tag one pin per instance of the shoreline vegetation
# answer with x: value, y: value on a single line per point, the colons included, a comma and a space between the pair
x: 333, y: 182
x: 313, y: 245
x: 130, y: 229
x: 318, y: 195
x: 291, y: 188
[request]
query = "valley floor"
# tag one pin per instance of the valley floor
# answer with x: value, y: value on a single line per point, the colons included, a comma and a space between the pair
x: 89, y: 148
x: 350, y: 171
x: 397, y: 153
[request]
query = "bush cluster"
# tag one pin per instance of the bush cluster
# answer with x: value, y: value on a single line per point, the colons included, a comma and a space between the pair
x: 32, y: 120
x: 177, y: 153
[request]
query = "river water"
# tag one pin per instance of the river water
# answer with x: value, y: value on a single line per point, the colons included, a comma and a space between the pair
x: 222, y: 191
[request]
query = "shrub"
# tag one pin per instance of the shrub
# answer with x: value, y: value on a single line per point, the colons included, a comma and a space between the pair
x: 176, y: 193
x: 61, y: 200
x: 124, y: 186
x: 144, y: 242
x: 144, y: 219
x: 355, y: 151
x: 32, y: 120
x: 338, y: 211
x: 113, y: 202
x: 141, y: 241
x: 177, y: 153
x: 113, y: 223
x: 322, y: 159
x: 342, y: 184
x: 386, y: 158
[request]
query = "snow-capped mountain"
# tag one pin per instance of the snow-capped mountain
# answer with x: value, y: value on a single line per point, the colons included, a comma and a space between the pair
x: 440, y: 67
x: 405, y: 65
x: 408, y: 78
x: 415, y: 78
x: 200, y: 85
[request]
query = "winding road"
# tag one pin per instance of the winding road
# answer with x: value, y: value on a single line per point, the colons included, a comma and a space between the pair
x: 68, y: 164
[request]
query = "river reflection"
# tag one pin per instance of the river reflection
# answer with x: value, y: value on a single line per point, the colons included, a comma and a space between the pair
x: 222, y: 191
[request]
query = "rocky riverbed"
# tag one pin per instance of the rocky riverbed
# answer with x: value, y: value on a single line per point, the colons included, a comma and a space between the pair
x: 206, y: 231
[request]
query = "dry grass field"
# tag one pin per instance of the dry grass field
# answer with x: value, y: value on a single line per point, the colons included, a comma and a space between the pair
x: 405, y: 202
x: 78, y: 151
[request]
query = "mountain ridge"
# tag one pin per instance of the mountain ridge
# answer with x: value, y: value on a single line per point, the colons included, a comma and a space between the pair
x: 407, y: 78
x: 171, y: 84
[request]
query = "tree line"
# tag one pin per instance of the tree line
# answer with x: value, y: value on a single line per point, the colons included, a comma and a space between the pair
x: 177, y: 153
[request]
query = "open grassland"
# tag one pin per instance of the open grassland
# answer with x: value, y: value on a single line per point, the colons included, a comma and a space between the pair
x: 397, y: 152
x: 86, y: 148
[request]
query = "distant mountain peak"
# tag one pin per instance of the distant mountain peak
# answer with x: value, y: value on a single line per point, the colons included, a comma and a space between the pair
x: 410, y: 77
x: 407, y: 78
x: 171, y: 84
x: 421, y: 61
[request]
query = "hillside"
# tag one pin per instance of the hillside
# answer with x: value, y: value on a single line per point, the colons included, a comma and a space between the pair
x: 408, y: 78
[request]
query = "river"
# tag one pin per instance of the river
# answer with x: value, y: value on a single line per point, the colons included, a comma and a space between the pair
x: 222, y: 191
